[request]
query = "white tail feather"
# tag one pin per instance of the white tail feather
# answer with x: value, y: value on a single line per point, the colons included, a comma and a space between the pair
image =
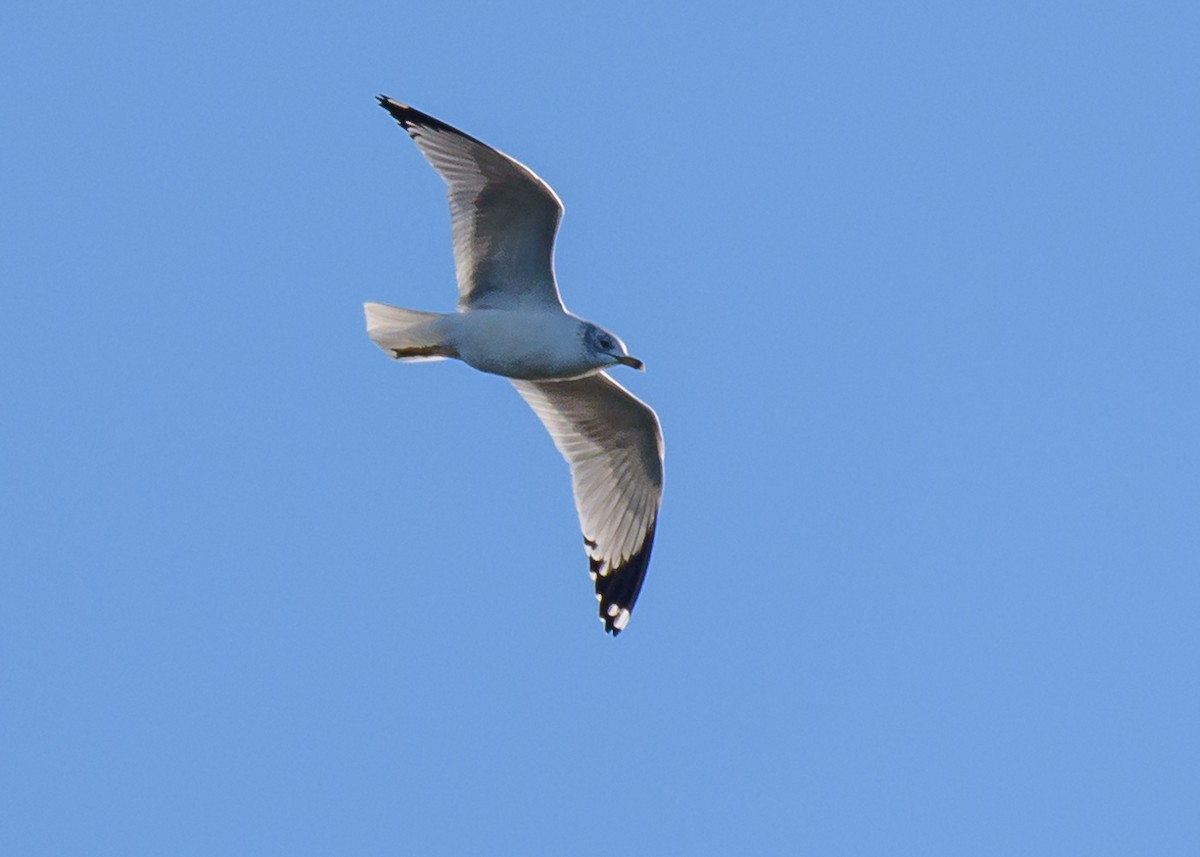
x: 407, y: 334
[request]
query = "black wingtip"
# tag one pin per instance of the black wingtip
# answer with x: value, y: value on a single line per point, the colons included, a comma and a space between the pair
x: 399, y: 111
x: 406, y: 117
x: 618, y: 588
x: 414, y: 121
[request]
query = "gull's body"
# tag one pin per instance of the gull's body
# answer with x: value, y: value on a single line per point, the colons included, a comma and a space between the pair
x: 529, y: 343
x: 512, y: 322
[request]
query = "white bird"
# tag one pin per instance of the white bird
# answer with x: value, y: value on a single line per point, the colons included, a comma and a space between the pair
x: 512, y: 322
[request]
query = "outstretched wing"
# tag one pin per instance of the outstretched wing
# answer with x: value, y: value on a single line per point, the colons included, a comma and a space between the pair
x: 613, y: 443
x: 503, y: 217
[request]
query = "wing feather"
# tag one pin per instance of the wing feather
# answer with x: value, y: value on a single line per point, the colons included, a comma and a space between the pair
x: 613, y: 444
x: 503, y: 217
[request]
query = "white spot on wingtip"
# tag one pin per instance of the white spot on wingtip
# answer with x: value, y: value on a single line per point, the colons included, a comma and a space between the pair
x: 613, y: 609
x: 621, y: 621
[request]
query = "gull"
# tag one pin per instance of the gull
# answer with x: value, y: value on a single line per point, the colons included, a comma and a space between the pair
x: 511, y: 322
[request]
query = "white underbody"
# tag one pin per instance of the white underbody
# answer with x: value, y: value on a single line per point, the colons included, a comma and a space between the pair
x: 526, y: 343
x: 531, y: 345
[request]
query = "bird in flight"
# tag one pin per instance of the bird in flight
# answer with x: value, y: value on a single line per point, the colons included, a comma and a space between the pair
x: 511, y: 322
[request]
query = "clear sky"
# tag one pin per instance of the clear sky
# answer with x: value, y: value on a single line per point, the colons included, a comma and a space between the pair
x: 918, y: 291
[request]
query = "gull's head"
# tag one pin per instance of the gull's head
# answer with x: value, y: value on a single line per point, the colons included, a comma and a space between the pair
x: 607, y: 348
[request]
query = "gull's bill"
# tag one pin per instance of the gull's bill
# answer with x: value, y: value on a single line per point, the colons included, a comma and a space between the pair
x: 613, y: 444
x: 503, y: 217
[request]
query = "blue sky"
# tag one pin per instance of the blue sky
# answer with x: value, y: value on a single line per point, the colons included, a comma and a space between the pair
x: 917, y: 293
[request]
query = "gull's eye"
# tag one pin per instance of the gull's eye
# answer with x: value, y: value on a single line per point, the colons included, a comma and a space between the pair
x: 606, y: 343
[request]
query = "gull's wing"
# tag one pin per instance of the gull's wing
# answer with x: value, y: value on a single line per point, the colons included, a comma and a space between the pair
x: 503, y: 217
x: 614, y: 446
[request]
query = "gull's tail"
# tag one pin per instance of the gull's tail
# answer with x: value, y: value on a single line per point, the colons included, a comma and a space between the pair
x: 408, y: 334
